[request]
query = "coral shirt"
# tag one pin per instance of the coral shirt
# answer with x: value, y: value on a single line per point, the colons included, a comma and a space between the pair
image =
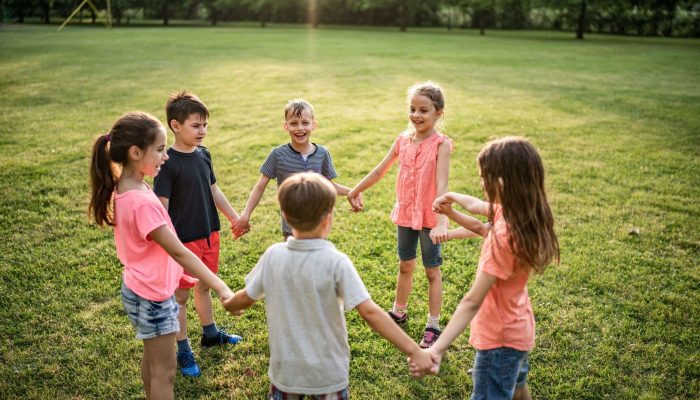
x: 416, y: 186
x: 148, y: 269
x: 505, y: 318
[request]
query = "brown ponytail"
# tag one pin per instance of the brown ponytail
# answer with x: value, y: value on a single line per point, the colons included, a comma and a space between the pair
x: 109, y: 153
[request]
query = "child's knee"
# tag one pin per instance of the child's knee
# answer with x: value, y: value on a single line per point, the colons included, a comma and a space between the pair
x: 181, y: 296
x: 433, y: 274
x: 407, y: 266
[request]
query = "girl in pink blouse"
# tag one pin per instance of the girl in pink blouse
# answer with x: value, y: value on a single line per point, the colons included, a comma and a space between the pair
x: 424, y: 162
x: 520, y: 241
x: 145, y: 240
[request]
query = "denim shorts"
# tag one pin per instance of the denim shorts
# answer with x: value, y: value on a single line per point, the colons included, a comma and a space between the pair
x: 276, y: 394
x: 150, y: 318
x: 497, y: 372
x: 407, y: 239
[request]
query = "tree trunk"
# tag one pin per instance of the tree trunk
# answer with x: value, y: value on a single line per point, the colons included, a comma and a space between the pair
x: 403, y: 15
x: 93, y: 16
x: 45, y: 8
x: 580, y: 26
x: 166, y: 13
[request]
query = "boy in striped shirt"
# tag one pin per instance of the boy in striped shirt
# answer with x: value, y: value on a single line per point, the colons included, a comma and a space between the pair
x: 299, y: 155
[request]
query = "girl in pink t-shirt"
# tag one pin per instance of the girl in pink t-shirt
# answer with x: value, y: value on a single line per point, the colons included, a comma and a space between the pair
x: 519, y: 240
x: 424, y: 162
x: 145, y: 240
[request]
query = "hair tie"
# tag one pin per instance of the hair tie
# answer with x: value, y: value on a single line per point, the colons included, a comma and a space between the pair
x: 106, y: 135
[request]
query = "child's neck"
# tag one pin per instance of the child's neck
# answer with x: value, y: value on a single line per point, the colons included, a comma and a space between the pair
x: 303, y: 149
x: 130, y: 179
x: 183, y: 148
x: 419, y: 137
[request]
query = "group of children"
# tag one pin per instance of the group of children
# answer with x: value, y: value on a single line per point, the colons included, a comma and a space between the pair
x: 167, y: 238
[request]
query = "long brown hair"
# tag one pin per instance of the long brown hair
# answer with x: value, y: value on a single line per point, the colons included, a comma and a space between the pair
x: 110, y: 152
x: 512, y: 171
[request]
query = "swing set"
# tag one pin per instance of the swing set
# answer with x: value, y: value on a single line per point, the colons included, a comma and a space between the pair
x: 108, y: 20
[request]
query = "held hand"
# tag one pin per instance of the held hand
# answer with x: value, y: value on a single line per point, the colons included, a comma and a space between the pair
x: 437, y: 359
x: 355, y: 200
x: 440, y: 202
x: 225, y: 294
x: 420, y: 363
x: 438, y: 234
x: 228, y: 306
x: 240, y: 227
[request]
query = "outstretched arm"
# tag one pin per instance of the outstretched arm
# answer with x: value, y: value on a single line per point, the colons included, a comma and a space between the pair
x: 253, y: 200
x: 380, y: 321
x: 239, y: 302
x: 372, y: 177
x: 469, y: 203
x: 223, y: 205
x: 191, y: 263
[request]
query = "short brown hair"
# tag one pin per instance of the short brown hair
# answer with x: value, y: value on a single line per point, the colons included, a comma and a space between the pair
x: 295, y: 107
x: 305, y: 198
x: 182, y: 104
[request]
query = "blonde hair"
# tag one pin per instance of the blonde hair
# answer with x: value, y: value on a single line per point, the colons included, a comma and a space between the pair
x: 305, y: 198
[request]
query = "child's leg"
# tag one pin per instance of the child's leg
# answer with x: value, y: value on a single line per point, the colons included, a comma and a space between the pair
x: 522, y: 393
x: 181, y: 296
x: 434, y: 290
x: 404, y: 282
x: 159, y: 365
x: 203, y: 304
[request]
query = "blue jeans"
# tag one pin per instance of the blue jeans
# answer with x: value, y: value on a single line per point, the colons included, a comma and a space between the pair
x: 407, y: 239
x: 497, y: 372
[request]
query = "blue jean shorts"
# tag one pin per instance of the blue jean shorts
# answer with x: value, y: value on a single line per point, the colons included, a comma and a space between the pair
x: 497, y: 372
x: 407, y: 239
x: 150, y: 318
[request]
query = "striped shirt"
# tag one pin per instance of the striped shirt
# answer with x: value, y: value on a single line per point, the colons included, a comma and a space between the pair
x: 283, y: 162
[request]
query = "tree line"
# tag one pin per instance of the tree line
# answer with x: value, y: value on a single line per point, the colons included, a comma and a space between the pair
x: 626, y: 17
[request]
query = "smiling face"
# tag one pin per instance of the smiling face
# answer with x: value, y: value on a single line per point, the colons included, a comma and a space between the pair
x: 423, y: 114
x: 155, y: 155
x: 300, y: 128
x: 190, y: 133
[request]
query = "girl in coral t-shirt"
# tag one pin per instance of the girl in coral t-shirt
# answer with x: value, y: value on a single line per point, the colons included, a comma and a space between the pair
x: 521, y: 240
x: 424, y: 162
x: 146, y: 242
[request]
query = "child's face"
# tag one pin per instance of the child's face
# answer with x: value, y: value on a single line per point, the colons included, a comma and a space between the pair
x: 423, y: 114
x: 192, y: 131
x: 300, y: 128
x: 155, y: 155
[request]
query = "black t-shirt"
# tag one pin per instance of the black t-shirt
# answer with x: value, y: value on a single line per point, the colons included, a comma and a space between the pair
x: 186, y: 179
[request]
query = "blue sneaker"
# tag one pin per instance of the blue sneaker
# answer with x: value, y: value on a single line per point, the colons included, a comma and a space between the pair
x: 221, y: 338
x: 188, y: 366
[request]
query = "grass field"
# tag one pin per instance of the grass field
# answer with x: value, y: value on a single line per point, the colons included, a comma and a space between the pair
x: 617, y: 121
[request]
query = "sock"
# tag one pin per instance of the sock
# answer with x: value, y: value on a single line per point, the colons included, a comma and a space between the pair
x: 400, y: 309
x: 210, y: 330
x: 183, y: 346
x: 433, y: 322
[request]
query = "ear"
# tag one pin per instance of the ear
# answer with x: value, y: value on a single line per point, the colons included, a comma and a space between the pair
x: 135, y: 153
x: 440, y: 113
x: 285, y: 126
x: 314, y: 125
x: 174, y: 125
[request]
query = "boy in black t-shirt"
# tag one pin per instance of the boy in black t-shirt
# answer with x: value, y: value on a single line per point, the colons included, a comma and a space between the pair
x: 186, y: 185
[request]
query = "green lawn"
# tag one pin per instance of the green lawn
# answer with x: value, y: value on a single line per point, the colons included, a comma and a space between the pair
x: 617, y: 121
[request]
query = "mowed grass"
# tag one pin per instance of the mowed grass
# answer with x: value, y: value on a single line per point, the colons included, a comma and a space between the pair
x: 617, y: 121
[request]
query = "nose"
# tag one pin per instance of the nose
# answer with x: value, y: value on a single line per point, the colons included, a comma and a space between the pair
x: 165, y: 155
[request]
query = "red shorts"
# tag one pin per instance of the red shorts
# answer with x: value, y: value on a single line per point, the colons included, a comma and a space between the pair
x: 207, y: 250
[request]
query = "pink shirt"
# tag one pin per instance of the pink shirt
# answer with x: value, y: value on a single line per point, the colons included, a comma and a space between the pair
x: 148, y: 269
x: 505, y: 318
x: 416, y: 186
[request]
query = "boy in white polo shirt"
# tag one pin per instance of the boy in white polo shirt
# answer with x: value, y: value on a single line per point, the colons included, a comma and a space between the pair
x: 308, y: 285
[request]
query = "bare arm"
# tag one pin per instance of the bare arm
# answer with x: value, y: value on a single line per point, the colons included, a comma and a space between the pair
x: 253, y: 201
x: 442, y: 172
x: 461, y: 233
x: 468, y: 223
x: 377, y: 173
x: 469, y: 203
x: 172, y: 245
x: 380, y: 321
x: 239, y: 302
x: 165, y: 201
x: 223, y: 205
